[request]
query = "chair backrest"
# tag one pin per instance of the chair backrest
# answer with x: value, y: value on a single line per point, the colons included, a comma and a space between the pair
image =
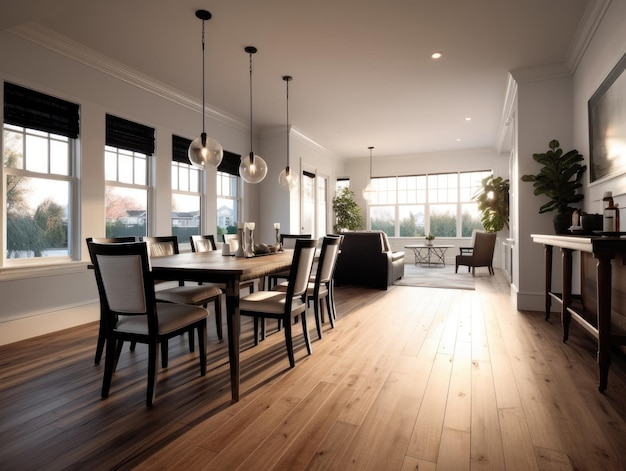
x: 288, y: 241
x: 303, y: 256
x: 161, y: 245
x: 328, y: 259
x: 112, y: 240
x: 232, y: 240
x: 124, y: 282
x: 202, y: 243
x: 484, y: 246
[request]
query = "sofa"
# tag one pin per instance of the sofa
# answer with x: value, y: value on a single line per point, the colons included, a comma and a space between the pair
x: 366, y: 259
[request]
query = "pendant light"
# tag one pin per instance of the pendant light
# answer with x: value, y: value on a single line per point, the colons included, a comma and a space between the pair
x: 204, y: 151
x: 369, y: 192
x: 287, y: 178
x: 252, y: 168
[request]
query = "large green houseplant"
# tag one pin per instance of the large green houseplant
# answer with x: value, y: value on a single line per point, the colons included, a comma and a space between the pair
x: 559, y: 179
x: 493, y: 203
x: 347, y: 211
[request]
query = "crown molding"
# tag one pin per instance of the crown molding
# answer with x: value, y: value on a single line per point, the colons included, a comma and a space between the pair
x: 49, y: 39
x: 589, y: 24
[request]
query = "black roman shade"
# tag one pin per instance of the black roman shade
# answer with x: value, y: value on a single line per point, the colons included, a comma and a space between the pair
x: 308, y: 174
x: 35, y: 110
x: 129, y: 135
x: 180, y: 147
x: 230, y: 163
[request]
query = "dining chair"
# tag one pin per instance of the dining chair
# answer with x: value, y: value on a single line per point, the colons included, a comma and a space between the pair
x: 482, y: 253
x: 285, y: 305
x: 101, y: 329
x: 287, y: 241
x: 127, y: 294
x: 202, y: 243
x: 319, y: 286
x: 198, y: 295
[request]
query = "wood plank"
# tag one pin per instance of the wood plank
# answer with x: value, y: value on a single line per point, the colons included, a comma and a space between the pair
x: 374, y: 390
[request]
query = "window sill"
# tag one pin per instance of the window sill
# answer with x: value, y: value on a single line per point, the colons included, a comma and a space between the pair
x: 40, y: 270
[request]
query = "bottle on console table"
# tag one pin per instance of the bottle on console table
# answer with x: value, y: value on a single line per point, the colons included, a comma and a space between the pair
x: 610, y: 214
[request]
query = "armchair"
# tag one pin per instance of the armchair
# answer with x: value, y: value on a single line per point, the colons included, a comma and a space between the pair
x: 481, y: 253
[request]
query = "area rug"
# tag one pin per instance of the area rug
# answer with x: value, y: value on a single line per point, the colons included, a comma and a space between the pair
x: 436, y: 277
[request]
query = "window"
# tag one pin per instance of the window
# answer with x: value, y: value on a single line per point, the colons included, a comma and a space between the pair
x: 186, y: 192
x: 39, y: 135
x: 126, y: 168
x: 228, y: 196
x: 413, y: 206
x: 342, y: 183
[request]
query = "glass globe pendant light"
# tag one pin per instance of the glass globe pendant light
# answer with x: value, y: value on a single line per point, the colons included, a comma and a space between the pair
x: 252, y: 168
x: 369, y: 192
x: 287, y: 178
x: 204, y: 151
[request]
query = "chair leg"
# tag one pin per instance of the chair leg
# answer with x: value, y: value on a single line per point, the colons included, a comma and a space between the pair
x: 289, y: 343
x: 152, y: 372
x: 202, y: 341
x: 99, y: 348
x: 133, y: 344
x: 456, y: 268
x: 118, y: 351
x: 109, y: 367
x: 192, y: 345
x: 329, y: 308
x: 331, y: 297
x: 256, y: 331
x: 164, y: 351
x: 317, y: 309
x: 218, y: 316
x: 305, y: 331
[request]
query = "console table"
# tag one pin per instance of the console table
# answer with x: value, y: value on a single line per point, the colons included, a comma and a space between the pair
x: 603, y: 249
x: 429, y: 255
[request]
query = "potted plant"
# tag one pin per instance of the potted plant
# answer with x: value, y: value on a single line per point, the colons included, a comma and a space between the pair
x: 493, y: 203
x: 429, y: 239
x: 559, y: 179
x: 347, y: 211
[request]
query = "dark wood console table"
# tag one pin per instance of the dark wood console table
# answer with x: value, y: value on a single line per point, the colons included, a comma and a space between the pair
x: 603, y: 249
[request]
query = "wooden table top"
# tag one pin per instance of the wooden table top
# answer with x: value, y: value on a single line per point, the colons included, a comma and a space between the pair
x: 213, y: 266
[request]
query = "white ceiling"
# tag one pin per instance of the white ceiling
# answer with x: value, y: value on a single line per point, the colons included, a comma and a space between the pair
x: 362, y: 70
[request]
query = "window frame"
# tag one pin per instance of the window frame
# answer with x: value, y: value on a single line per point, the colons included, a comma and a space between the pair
x: 388, y: 195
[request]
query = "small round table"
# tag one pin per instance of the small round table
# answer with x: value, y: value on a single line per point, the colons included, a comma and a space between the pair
x: 429, y: 255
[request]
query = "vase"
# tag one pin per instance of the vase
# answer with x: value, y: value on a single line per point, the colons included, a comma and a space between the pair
x: 429, y: 242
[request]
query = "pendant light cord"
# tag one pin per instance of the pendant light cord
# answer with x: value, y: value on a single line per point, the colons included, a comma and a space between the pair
x: 287, y: 81
x: 251, y: 152
x: 203, y: 132
x: 370, y: 148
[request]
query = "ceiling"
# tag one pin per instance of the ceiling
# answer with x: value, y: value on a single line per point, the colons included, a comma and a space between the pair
x: 362, y: 71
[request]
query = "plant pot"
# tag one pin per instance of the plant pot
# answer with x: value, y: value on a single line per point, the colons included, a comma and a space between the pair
x: 562, y: 221
x: 429, y: 242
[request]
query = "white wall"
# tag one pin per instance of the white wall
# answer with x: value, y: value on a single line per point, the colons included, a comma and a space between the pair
x: 47, y: 299
x: 557, y: 109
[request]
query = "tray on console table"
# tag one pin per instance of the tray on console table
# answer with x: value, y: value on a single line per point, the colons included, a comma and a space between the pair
x: 603, y: 249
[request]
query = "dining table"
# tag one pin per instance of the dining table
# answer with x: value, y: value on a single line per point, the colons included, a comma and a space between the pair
x: 228, y: 270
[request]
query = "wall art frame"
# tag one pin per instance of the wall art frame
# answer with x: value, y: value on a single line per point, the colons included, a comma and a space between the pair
x: 607, y: 126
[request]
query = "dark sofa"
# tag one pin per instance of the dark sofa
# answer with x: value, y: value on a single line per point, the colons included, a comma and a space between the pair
x: 366, y: 259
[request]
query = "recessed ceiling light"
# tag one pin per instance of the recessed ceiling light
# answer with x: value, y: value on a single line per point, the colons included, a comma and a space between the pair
x: 436, y: 55
x: 458, y: 139
x: 468, y: 119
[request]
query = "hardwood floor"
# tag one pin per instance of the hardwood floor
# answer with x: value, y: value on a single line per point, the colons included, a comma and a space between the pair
x: 411, y: 378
